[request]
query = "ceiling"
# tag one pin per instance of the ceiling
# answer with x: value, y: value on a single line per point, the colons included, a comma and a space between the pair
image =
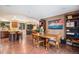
x: 37, y: 11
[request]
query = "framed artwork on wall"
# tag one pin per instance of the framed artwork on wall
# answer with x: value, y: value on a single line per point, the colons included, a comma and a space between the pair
x: 56, y: 24
x: 14, y: 24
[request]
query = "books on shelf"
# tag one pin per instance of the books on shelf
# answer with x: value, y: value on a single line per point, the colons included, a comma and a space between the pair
x: 69, y: 17
x: 69, y: 33
x: 70, y: 24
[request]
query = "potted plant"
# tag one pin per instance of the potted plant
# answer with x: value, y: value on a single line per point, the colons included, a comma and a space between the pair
x: 2, y: 25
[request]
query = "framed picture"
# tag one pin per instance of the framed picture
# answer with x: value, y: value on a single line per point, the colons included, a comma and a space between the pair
x: 14, y: 24
x: 56, y: 24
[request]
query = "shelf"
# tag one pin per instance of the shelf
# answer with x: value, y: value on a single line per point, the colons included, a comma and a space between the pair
x: 75, y: 41
x: 72, y: 28
x: 74, y: 20
x: 72, y: 37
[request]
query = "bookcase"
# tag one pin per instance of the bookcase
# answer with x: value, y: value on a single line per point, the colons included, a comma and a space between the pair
x: 72, y: 29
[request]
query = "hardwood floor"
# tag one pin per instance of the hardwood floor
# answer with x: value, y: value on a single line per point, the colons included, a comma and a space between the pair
x: 7, y: 47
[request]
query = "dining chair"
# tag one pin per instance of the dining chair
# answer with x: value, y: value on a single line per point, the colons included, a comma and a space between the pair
x: 55, y: 41
x: 37, y: 40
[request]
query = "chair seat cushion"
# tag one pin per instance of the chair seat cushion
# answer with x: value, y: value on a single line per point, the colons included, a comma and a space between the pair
x: 52, y: 39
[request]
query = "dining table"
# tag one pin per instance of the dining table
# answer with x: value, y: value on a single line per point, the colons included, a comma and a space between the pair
x: 47, y: 37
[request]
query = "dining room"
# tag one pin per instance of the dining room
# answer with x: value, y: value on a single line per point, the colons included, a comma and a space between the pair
x: 30, y: 29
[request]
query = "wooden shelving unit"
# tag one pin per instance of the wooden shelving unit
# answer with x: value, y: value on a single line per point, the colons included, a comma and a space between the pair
x: 72, y: 28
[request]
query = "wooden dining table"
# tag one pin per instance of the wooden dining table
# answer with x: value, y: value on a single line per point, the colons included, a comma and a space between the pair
x: 47, y: 37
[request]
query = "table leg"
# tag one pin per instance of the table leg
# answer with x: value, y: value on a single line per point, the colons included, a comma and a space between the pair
x: 34, y: 42
x: 37, y: 40
x: 57, y: 44
x: 47, y: 46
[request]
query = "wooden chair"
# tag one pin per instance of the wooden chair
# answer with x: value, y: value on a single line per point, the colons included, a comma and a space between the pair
x: 55, y: 41
x: 37, y: 40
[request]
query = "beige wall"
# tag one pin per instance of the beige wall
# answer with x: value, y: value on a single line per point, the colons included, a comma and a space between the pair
x: 51, y: 31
